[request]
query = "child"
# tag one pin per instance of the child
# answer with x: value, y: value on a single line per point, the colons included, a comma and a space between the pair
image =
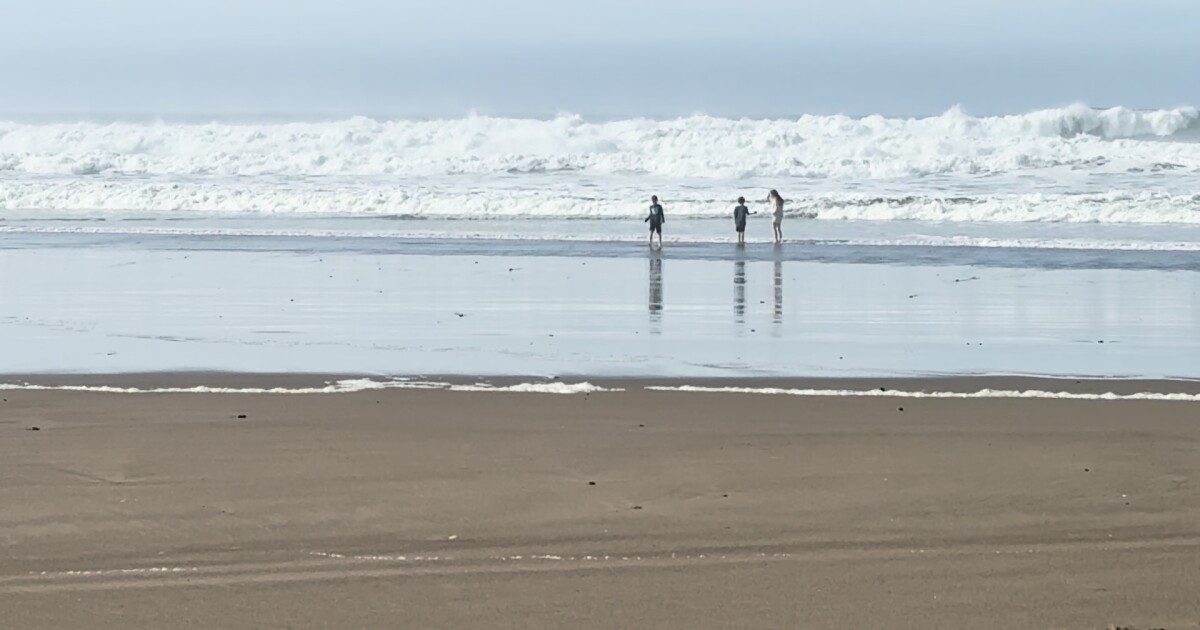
x: 777, y: 206
x: 739, y: 219
x: 656, y: 220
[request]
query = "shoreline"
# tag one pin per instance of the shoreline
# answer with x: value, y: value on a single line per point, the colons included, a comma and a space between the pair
x: 1025, y: 253
x: 964, y: 384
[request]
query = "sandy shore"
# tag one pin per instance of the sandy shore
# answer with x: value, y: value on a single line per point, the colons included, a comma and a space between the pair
x: 406, y: 508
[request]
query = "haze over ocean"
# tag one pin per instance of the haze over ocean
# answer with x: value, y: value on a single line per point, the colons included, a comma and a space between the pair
x: 759, y: 58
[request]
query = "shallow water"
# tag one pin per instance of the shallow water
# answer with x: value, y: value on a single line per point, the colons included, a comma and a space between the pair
x: 112, y: 303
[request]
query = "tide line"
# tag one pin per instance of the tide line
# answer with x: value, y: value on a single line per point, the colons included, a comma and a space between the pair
x: 337, y: 387
x: 892, y: 393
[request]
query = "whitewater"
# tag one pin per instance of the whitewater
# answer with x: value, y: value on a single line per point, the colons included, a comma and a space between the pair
x: 1079, y: 165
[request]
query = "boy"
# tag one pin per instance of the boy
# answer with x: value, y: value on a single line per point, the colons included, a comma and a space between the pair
x: 739, y: 219
x: 656, y: 220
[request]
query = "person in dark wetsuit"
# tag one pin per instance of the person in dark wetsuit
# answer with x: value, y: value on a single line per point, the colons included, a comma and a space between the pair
x: 739, y: 219
x: 656, y: 220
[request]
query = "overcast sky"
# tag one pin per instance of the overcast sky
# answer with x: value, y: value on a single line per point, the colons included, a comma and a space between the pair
x: 595, y: 57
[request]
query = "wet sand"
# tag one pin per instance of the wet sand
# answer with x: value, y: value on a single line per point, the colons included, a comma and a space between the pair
x: 408, y: 508
x: 361, y: 305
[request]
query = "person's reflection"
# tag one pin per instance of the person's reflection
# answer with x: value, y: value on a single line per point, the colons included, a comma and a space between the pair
x: 739, y: 290
x: 656, y: 295
x: 778, y: 292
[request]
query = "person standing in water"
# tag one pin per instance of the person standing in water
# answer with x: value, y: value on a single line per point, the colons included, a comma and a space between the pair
x: 776, y: 202
x: 656, y: 220
x: 739, y: 220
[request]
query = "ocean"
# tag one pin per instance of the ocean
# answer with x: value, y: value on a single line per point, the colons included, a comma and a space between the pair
x: 1071, y: 165
x: 248, y: 214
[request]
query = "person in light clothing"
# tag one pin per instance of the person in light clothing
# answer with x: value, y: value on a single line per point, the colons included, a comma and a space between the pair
x: 776, y: 202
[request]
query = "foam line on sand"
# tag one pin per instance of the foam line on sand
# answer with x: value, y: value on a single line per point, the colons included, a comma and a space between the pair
x: 891, y: 393
x: 337, y: 387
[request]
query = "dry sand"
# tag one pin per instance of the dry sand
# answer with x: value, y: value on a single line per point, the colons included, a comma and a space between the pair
x: 477, y: 510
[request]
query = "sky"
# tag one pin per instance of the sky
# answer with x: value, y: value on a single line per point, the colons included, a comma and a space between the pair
x: 599, y: 58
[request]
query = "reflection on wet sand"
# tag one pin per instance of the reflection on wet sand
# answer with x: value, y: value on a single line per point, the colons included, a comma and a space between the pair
x: 739, y: 290
x: 778, y: 318
x: 655, y: 297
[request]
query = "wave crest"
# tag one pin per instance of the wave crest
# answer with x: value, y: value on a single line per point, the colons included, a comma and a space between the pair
x: 695, y: 147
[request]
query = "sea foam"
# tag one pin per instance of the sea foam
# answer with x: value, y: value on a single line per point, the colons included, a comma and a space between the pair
x: 892, y: 393
x: 698, y: 146
x: 359, y: 385
x: 65, y: 198
x: 948, y: 167
x: 346, y: 386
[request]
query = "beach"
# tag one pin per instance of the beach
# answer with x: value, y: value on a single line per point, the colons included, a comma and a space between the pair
x: 313, y: 372
x: 633, y: 508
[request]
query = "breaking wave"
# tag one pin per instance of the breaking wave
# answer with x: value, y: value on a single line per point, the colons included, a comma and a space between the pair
x: 1074, y: 164
x: 694, y: 147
